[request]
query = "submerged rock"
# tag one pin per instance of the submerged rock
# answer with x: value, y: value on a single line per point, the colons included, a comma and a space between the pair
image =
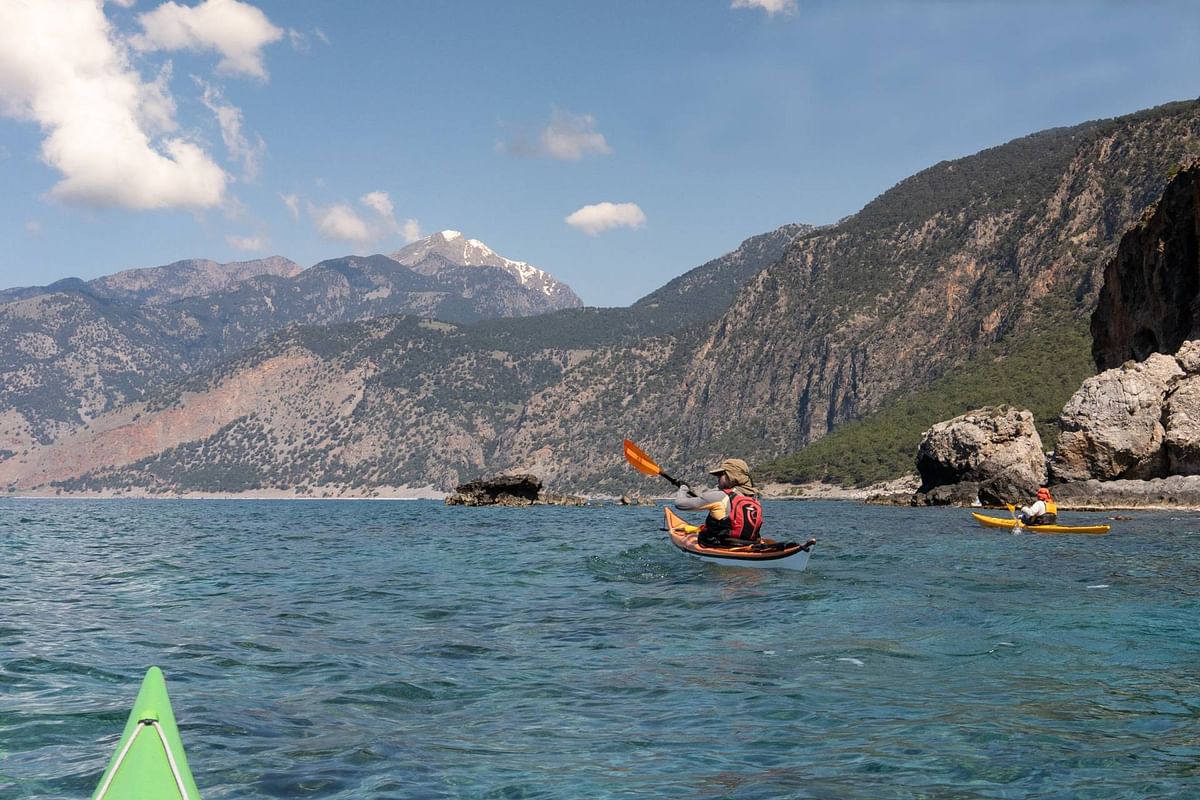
x: 551, y: 499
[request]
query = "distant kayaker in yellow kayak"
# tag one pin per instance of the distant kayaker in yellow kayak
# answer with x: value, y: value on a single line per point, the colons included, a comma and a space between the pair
x: 1043, y: 511
x: 734, y: 513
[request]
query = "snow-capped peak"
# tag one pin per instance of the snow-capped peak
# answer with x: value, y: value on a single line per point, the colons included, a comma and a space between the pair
x: 455, y: 248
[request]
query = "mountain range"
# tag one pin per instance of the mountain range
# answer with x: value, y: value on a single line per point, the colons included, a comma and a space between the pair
x: 75, y: 349
x: 362, y: 375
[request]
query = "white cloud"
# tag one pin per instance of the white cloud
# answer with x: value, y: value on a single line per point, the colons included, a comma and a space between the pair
x: 568, y: 137
x: 63, y: 67
x: 251, y: 244
x: 229, y: 117
x: 292, y: 201
x: 412, y: 231
x: 380, y: 203
x: 298, y: 41
x: 595, y: 219
x: 236, y: 30
x: 343, y: 223
x: 572, y: 136
x: 772, y: 7
x: 124, y: 3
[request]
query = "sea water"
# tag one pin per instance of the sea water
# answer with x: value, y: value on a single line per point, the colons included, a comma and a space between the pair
x: 410, y: 650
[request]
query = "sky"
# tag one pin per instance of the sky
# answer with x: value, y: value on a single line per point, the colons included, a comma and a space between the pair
x: 613, y: 143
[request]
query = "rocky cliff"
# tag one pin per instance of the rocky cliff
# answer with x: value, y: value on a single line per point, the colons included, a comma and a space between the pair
x: 1150, y: 302
x: 1136, y: 423
x: 951, y: 261
x: 954, y: 259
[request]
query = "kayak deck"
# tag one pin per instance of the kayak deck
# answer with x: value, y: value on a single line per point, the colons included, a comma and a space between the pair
x: 1009, y: 522
x: 149, y: 762
x: 764, y: 553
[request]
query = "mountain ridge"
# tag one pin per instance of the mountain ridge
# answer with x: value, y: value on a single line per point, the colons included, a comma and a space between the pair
x: 75, y: 349
x: 965, y: 255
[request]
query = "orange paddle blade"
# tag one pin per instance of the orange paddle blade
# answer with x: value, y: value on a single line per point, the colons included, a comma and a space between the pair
x: 639, y: 460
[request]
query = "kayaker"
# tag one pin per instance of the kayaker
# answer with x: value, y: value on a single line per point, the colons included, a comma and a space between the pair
x: 1043, y: 511
x: 734, y: 513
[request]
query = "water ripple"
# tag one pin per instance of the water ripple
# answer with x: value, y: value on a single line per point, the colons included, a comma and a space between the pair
x: 339, y: 650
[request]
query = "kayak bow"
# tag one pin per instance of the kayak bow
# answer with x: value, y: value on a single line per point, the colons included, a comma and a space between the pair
x: 149, y: 763
x: 1004, y: 522
x: 764, y: 553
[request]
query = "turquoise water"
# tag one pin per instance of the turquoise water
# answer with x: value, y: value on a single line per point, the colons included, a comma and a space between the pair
x: 409, y: 650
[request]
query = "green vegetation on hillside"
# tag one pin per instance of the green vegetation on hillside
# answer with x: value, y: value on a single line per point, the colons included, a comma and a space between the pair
x: 1011, y: 174
x: 1038, y: 371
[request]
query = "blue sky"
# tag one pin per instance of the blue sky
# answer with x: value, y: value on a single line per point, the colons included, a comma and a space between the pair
x: 614, y: 144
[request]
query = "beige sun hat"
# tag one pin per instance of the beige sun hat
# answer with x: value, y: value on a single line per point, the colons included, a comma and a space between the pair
x: 737, y: 470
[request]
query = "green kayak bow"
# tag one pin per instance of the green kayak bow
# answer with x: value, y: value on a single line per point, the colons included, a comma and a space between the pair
x: 149, y: 763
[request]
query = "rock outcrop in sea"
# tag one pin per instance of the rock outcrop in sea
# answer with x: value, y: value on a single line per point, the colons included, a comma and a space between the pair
x: 509, y: 490
x: 993, y: 454
x: 1129, y: 437
x: 1136, y: 422
x: 503, y: 490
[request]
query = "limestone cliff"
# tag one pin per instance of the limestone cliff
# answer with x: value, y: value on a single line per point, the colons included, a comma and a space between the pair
x: 951, y: 260
x: 1150, y: 302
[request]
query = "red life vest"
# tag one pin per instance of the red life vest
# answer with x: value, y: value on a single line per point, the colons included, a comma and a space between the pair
x: 743, y: 521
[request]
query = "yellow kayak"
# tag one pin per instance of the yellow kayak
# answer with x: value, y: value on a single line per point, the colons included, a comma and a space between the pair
x: 1009, y: 522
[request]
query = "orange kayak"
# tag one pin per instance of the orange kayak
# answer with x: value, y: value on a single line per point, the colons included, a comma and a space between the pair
x: 764, y: 553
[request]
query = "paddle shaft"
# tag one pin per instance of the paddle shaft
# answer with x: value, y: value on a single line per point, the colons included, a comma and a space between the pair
x: 675, y: 481
x: 1016, y: 520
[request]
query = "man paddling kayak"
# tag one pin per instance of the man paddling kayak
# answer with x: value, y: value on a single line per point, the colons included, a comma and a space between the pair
x: 734, y: 513
x: 1042, y: 511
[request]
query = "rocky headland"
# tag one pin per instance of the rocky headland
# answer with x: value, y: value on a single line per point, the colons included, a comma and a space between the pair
x: 1130, y: 436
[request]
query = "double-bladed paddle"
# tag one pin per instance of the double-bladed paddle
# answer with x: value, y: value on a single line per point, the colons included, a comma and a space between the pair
x: 1016, y: 520
x: 644, y: 464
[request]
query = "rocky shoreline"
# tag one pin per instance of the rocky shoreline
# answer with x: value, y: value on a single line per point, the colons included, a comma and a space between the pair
x: 1178, y: 492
